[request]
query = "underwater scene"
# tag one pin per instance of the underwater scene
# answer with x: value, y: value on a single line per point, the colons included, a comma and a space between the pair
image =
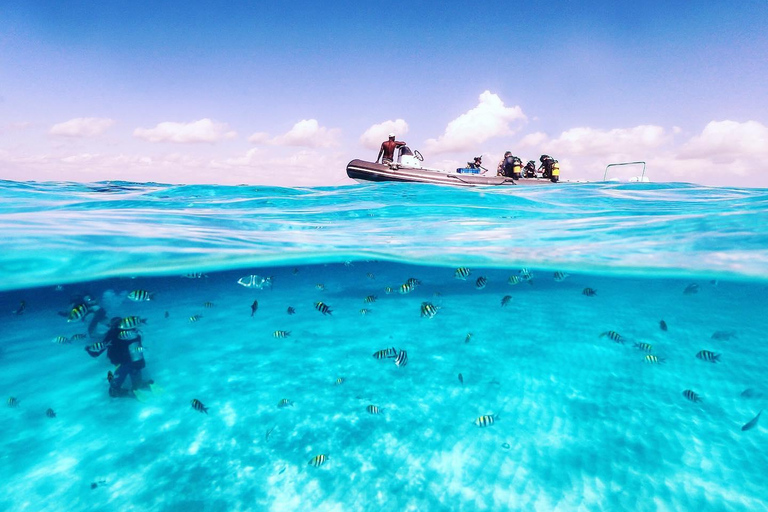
x: 384, y: 347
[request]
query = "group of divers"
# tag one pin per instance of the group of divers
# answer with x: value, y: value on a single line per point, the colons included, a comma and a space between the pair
x: 122, y: 340
x: 511, y: 166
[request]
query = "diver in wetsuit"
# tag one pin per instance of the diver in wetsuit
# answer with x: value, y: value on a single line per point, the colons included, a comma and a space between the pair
x: 124, y: 349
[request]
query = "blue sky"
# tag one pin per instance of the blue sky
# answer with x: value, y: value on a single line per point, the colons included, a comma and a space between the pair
x: 282, y: 93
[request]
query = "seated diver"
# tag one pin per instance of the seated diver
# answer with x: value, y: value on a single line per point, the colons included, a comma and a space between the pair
x: 503, y: 168
x: 546, y: 163
x: 477, y: 164
x: 529, y: 171
x: 510, y: 166
x: 124, y: 349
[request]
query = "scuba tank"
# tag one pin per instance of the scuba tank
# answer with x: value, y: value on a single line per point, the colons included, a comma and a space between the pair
x: 516, y: 168
x: 555, y: 172
x: 135, y: 349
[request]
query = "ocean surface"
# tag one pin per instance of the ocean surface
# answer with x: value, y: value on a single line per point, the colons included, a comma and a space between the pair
x: 575, y: 347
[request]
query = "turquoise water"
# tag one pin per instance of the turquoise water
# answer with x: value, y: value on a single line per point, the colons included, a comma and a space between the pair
x: 580, y: 421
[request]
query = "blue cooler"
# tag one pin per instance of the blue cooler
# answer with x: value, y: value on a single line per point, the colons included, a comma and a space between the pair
x: 467, y: 170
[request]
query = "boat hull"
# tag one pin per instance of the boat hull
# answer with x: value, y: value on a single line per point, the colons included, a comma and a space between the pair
x: 371, y: 171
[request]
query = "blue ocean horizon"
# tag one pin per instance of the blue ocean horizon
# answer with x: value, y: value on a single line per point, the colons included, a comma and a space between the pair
x: 612, y: 332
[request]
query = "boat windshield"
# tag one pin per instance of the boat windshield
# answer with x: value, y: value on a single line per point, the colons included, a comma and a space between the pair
x: 404, y: 151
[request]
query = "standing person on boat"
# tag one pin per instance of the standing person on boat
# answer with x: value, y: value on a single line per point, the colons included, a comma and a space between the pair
x: 388, y: 149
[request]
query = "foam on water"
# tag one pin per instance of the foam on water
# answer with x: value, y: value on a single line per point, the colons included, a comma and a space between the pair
x: 582, y: 421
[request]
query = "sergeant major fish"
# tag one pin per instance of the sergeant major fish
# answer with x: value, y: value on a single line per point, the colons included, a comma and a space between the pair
x: 402, y: 359
x: 50, y: 413
x: 372, y: 409
x: 560, y: 276
x: 428, y: 310
x: 652, y: 359
x: 663, y: 325
x: 281, y: 334
x: 691, y: 395
x: 198, y: 406
x: 505, y: 300
x: 284, y: 403
x: 318, y: 460
x: 706, y: 355
x: 485, y: 420
x: 385, y: 353
x: 481, y: 282
x: 462, y: 273
x: 369, y: 299
x: 323, y: 308
x: 291, y: 311
x: 129, y: 322
x: 618, y: 338
x: 691, y: 289
x: 406, y: 288
x: 645, y: 347
x: 589, y: 292
x: 195, y: 318
x: 141, y: 296
x: 78, y: 313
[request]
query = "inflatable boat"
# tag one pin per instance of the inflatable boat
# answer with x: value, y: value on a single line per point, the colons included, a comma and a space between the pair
x: 407, y: 167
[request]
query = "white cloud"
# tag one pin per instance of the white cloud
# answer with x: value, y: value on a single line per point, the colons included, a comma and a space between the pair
x: 82, y: 127
x: 378, y: 133
x: 532, y: 140
x: 726, y: 141
x: 594, y: 142
x: 490, y: 118
x: 204, y: 130
x: 309, y: 134
x: 259, y: 138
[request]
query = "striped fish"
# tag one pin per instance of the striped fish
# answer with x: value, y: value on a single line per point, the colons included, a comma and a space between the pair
x: 323, y: 308
x: 320, y: 286
x: 284, y: 403
x: 485, y: 420
x: 406, y: 288
x: 691, y: 395
x: 97, y: 347
x: 691, y: 289
x: 652, y: 359
x: 198, y: 406
x: 618, y: 338
x: 12, y: 402
x: 401, y: 359
x: 129, y: 322
x: 208, y: 304
x: 50, y: 413
x: 291, y: 311
x: 385, y: 353
x: 525, y: 274
x: 78, y: 313
x: 428, y: 310
x: 281, y: 334
x: 505, y: 300
x: 340, y: 381
x: 128, y: 334
x: 141, y: 296
x: 61, y: 340
x: 369, y: 299
x: 560, y: 276
x: 481, y: 282
x: 372, y: 409
x: 194, y: 275
x: 513, y: 280
x: 364, y: 311
x: 388, y: 290
x: 318, y: 460
x: 706, y: 355
x: 413, y: 282
x: 195, y: 318
x: 589, y: 292
x: 468, y: 337
x: 77, y: 337
x: 462, y: 273
x: 645, y: 347
x: 369, y: 275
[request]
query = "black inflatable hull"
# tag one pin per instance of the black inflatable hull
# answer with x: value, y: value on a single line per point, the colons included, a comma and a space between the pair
x: 371, y: 171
